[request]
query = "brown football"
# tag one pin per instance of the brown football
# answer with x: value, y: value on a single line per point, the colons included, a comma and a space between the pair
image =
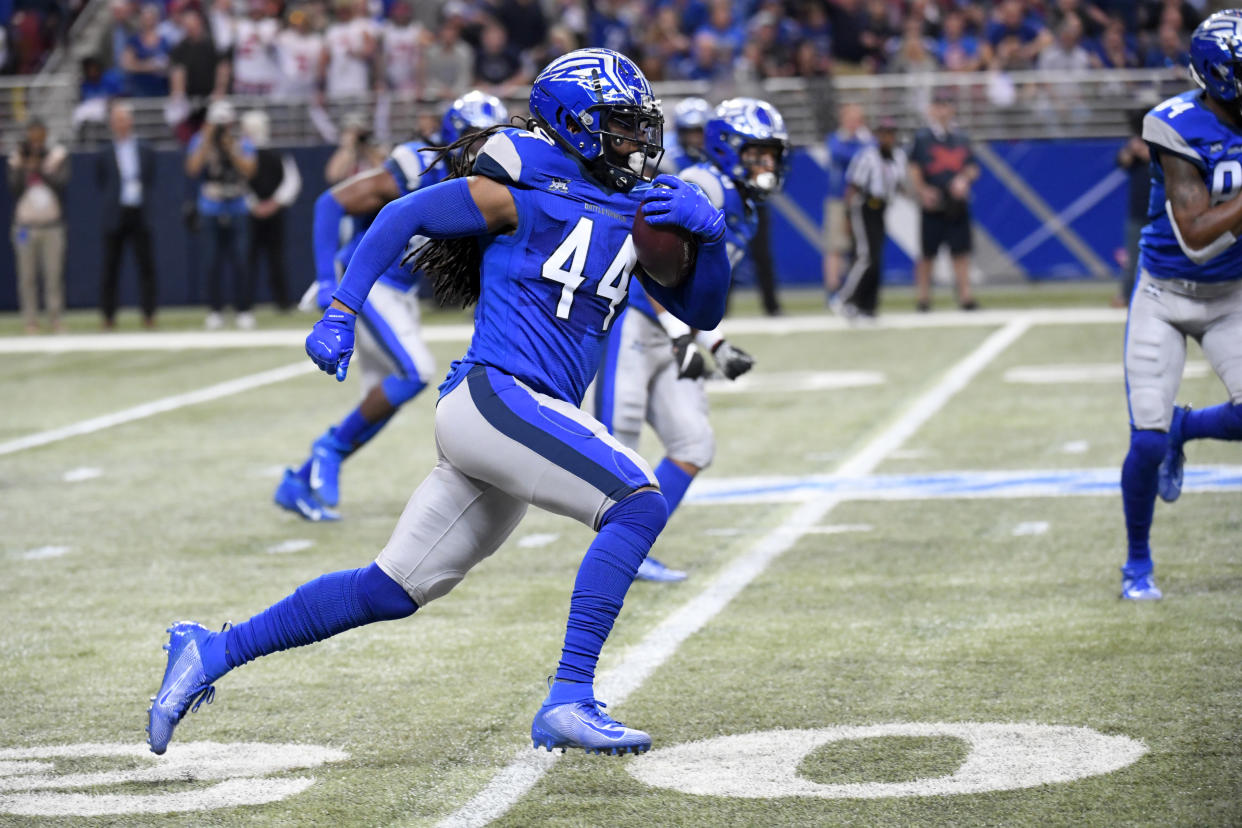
x: 665, y: 253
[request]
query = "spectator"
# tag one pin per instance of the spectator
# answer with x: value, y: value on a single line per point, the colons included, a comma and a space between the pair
x: 402, y: 48
x: 356, y: 152
x: 844, y: 143
x: 220, y: 22
x: 942, y: 171
x: 448, y: 63
x: 525, y: 24
x: 1114, y: 50
x: 610, y: 28
x: 872, y: 180
x: 95, y: 90
x: 145, y: 59
x: 1094, y: 20
x: 301, y: 55
x: 124, y: 26
x: 1010, y: 23
x: 1066, y: 54
x: 1153, y: 14
x: 197, y: 71
x: 497, y: 68
x: 1170, y: 51
x: 853, y: 44
x: 704, y: 62
x: 351, y: 45
x: 255, y: 68
x: 38, y: 175
x: 273, y: 189
x: 664, y: 44
x: 222, y: 162
x: 30, y: 41
x: 728, y: 34
x: 125, y: 172
x: 1135, y: 159
x: 958, y: 50
x: 913, y: 52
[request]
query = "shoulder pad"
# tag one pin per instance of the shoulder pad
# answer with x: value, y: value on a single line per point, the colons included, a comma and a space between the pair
x: 406, y: 164
x: 1178, y: 125
x: 525, y: 158
x: 711, y: 182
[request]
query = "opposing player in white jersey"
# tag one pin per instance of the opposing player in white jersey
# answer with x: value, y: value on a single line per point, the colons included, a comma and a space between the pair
x: 300, y: 54
x: 652, y: 369
x: 256, y: 70
x: 401, y: 49
x: 351, y: 43
x: 395, y: 362
x: 1190, y: 284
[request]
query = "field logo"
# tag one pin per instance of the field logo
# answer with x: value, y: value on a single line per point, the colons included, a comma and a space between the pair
x: 231, y: 775
x: 1002, y: 757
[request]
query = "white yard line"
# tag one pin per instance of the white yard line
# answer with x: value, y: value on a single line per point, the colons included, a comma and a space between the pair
x: 641, y: 660
x: 752, y: 325
x: 138, y: 412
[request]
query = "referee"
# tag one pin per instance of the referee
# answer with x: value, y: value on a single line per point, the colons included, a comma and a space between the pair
x: 871, y: 180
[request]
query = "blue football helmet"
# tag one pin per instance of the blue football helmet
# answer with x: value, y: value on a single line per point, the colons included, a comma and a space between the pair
x: 1216, y: 56
x: 593, y: 101
x: 472, y: 112
x: 741, y: 123
x: 691, y: 113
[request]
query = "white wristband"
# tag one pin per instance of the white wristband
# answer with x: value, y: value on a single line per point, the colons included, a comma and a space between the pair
x: 673, y: 326
x: 708, y: 340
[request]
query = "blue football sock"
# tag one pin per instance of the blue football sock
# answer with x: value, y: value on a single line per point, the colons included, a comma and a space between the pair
x: 626, y: 534
x: 1220, y: 422
x: 356, y: 429
x: 673, y: 482
x: 1138, y: 495
x: 328, y: 605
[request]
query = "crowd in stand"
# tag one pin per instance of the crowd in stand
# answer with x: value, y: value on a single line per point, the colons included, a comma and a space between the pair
x: 342, y: 48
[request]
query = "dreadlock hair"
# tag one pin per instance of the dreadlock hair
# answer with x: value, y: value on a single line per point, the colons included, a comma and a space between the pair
x: 453, y: 265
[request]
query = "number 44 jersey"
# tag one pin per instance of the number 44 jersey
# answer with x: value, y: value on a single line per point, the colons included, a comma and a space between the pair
x: 551, y: 289
x: 1184, y: 127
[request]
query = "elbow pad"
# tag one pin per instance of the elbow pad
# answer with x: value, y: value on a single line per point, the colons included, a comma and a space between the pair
x: 444, y: 211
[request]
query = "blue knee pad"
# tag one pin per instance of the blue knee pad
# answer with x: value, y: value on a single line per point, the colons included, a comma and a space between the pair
x: 399, y: 390
x: 1148, y: 447
x: 644, y: 513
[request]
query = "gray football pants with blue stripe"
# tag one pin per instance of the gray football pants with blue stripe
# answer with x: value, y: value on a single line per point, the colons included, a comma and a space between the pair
x: 390, y: 339
x: 502, y: 447
x: 1163, y: 312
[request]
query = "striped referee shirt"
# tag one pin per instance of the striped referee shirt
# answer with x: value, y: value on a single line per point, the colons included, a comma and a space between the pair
x: 875, y: 176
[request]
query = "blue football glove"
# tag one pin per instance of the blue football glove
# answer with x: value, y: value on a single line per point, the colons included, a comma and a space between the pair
x: 330, y: 343
x: 679, y: 203
x: 324, y: 294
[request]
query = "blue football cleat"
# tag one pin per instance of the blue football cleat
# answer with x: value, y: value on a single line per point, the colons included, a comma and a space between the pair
x: 652, y: 570
x: 294, y: 493
x: 327, y: 454
x: 1139, y: 588
x: 585, y: 725
x: 185, y: 683
x: 1169, y: 482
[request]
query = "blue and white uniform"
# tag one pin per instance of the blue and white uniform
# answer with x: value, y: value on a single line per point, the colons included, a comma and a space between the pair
x: 1181, y: 291
x: 638, y: 379
x: 390, y: 342
x: 508, y: 426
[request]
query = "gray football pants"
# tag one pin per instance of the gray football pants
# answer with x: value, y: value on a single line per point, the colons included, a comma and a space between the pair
x: 1163, y: 312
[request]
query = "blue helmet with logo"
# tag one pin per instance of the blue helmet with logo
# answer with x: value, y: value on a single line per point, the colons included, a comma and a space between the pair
x: 691, y: 113
x: 1216, y: 56
x: 595, y: 101
x: 742, y: 123
x: 472, y: 112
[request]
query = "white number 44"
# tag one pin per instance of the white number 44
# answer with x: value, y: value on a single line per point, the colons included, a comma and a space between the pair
x: 566, y: 264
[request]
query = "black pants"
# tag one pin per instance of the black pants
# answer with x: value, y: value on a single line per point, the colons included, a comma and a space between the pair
x: 224, y: 236
x: 131, y: 226
x: 267, y: 236
x: 765, y: 274
x: 862, y: 283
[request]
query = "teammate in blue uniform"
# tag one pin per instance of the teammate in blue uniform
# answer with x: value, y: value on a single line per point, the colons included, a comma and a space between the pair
x: 689, y: 117
x: 545, y: 223
x: 653, y: 369
x: 1190, y: 284
x: 395, y: 360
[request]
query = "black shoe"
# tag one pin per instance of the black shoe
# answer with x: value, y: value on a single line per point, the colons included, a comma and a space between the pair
x: 922, y: 306
x: 969, y: 305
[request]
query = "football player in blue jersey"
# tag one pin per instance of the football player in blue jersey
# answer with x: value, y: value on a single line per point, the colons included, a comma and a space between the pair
x: 1190, y: 284
x: 396, y: 363
x: 653, y: 368
x: 545, y: 220
x: 689, y: 117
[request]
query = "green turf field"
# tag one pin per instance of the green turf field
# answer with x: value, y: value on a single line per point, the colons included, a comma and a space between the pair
x: 807, y: 609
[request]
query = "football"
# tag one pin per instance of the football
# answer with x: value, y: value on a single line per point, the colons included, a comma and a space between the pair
x: 666, y: 254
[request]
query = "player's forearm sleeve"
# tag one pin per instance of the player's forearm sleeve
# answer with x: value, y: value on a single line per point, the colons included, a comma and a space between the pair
x: 326, y: 232
x: 444, y: 211
x: 700, y: 301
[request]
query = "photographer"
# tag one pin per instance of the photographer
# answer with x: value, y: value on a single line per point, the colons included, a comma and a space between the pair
x: 356, y: 152
x: 38, y: 174
x: 223, y: 162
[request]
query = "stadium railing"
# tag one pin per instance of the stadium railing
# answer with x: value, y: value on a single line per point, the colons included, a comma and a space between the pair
x: 990, y: 106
